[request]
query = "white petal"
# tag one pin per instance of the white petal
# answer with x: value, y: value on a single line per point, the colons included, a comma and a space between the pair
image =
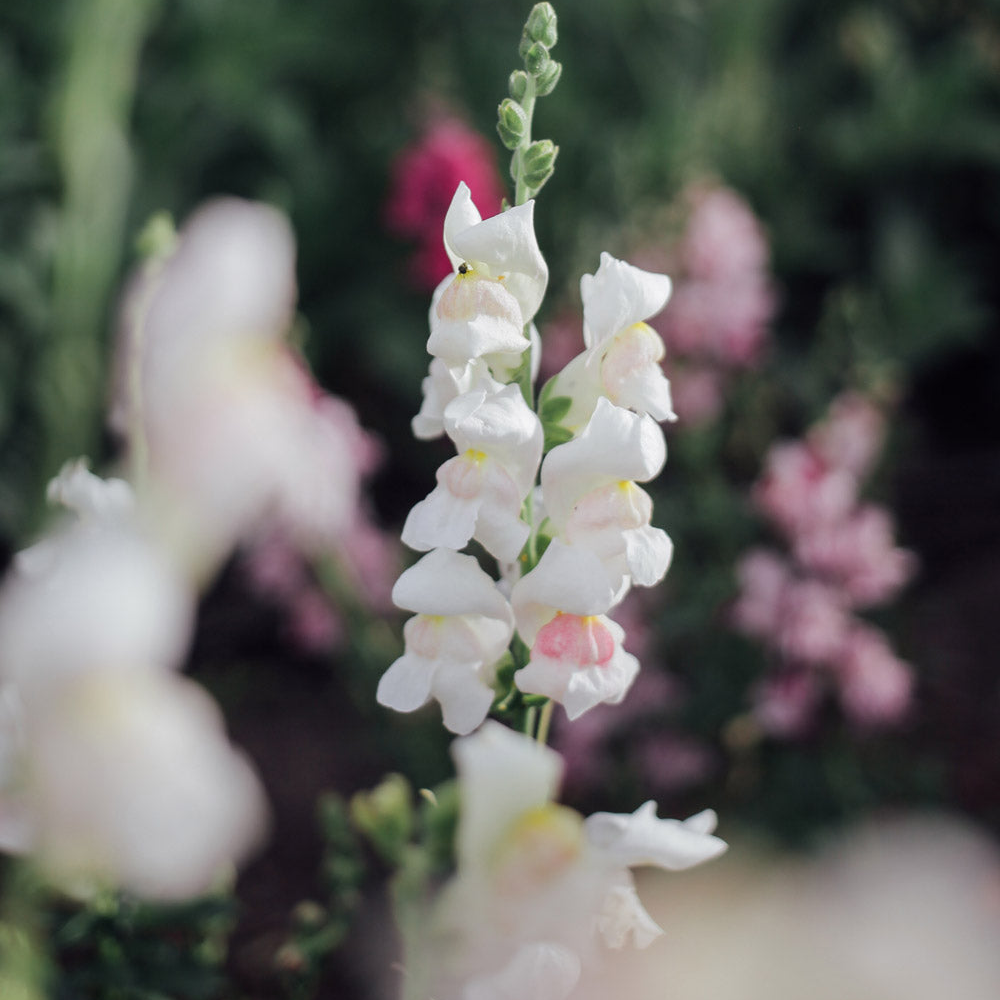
x: 617, y: 296
x: 566, y: 579
x: 406, y: 685
x: 539, y: 971
x: 616, y: 445
x: 642, y: 839
x: 500, y: 529
x: 648, y: 553
x: 464, y: 697
x: 445, y: 582
x: 461, y: 215
x: 502, y: 774
x: 441, y: 520
x: 623, y: 916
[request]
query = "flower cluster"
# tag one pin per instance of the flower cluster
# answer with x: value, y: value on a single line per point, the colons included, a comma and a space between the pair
x: 842, y: 558
x: 568, y: 552
x: 115, y: 769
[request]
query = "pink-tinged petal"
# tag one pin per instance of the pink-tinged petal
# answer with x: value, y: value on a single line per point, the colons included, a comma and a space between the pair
x: 631, y: 372
x: 536, y: 972
x: 648, y: 554
x: 462, y: 214
x: 623, y: 916
x: 476, y: 316
x: 445, y: 582
x: 465, y: 698
x: 507, y: 246
x: 617, y: 296
x: 502, y: 775
x: 566, y: 579
x: 636, y: 839
x: 441, y: 520
x: 579, y: 663
x: 615, y: 446
x: 406, y: 685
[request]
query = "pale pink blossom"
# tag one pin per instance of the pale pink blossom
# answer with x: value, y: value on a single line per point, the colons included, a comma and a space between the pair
x: 670, y: 762
x: 763, y: 577
x: 876, y: 687
x: 698, y: 391
x: 814, y: 621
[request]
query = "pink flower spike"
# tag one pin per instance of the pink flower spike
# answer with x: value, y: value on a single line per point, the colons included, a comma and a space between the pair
x: 876, y: 687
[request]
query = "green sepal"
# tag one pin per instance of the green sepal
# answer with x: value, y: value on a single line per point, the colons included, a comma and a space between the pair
x: 546, y: 80
x: 539, y: 162
x: 512, y: 122
x: 542, y: 24
x: 385, y: 816
x: 556, y: 434
x: 537, y: 58
x: 517, y: 85
x: 551, y: 409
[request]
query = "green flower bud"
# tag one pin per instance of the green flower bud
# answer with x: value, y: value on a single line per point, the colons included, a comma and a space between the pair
x: 511, y: 123
x: 541, y: 24
x: 539, y: 162
x: 518, y: 84
x: 526, y: 42
x: 546, y: 81
x: 536, y: 59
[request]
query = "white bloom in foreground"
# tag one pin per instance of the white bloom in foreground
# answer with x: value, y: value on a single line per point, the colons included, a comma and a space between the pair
x: 537, y: 972
x: 576, y: 656
x: 537, y: 886
x: 120, y: 772
x: 480, y: 491
x: 462, y: 627
x: 499, y: 281
x: 225, y: 427
x: 441, y: 385
x: 622, y: 352
x: 131, y: 781
x: 592, y: 499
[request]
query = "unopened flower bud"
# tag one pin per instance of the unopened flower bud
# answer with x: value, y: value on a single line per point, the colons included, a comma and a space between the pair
x: 536, y: 59
x: 511, y: 123
x: 539, y: 162
x: 518, y: 84
x: 541, y: 24
x: 546, y: 81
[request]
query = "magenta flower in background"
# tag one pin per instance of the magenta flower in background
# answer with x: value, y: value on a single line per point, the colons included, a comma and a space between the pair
x: 423, y: 180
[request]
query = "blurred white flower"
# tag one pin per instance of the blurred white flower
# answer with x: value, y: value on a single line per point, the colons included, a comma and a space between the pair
x: 226, y: 430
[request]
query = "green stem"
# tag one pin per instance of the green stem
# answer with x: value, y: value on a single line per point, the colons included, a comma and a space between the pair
x: 544, y: 721
x: 528, y: 103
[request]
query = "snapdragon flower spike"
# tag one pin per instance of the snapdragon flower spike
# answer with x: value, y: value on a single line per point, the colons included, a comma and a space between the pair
x: 591, y: 496
x: 482, y: 310
x: 480, y: 491
x: 462, y: 627
x: 622, y: 352
x: 576, y: 656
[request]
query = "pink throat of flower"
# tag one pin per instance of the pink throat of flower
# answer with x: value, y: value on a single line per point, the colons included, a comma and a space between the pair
x: 582, y: 641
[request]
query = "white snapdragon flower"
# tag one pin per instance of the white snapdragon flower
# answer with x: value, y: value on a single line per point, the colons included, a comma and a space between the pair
x: 484, y: 308
x: 592, y: 499
x: 225, y: 427
x: 480, y: 491
x: 536, y: 885
x: 121, y: 769
x: 576, y: 656
x: 462, y: 627
x: 622, y: 352
x: 441, y: 385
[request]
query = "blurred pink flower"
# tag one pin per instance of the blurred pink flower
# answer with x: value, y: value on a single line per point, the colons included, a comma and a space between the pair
x: 784, y: 704
x: 698, y: 392
x: 860, y: 554
x: 876, y: 687
x: 313, y: 622
x: 852, y: 435
x: 763, y: 576
x: 798, y: 491
x: 423, y: 180
x: 671, y: 763
x: 814, y: 621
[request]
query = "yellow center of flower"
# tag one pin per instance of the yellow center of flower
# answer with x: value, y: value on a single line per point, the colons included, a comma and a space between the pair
x: 540, y: 845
